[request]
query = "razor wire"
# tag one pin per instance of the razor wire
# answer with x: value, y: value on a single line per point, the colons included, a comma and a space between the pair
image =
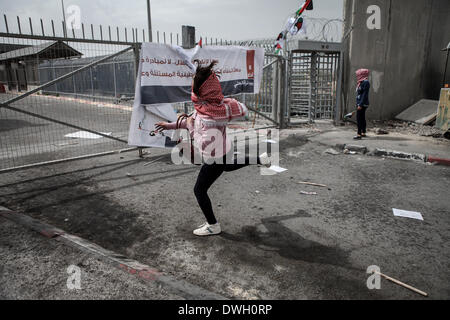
x: 316, y: 29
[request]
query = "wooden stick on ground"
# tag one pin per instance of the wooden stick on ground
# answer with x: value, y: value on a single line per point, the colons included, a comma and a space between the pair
x: 403, y: 284
x: 313, y: 184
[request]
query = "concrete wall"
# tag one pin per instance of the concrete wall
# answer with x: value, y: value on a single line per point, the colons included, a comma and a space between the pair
x: 404, y: 55
x: 439, y: 39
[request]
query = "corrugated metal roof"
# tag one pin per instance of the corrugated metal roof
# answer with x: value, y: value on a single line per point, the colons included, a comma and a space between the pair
x: 47, y: 50
x: 125, y: 57
x: 5, y: 47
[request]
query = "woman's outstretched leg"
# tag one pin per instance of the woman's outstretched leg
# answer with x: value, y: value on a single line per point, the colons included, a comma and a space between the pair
x: 206, y: 177
x: 208, y: 174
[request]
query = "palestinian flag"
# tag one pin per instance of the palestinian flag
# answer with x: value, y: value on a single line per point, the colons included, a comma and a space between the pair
x: 308, y: 5
x: 280, y: 36
x: 294, y: 24
x: 299, y: 23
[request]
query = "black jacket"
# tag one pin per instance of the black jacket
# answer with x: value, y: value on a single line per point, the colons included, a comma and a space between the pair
x: 362, y: 94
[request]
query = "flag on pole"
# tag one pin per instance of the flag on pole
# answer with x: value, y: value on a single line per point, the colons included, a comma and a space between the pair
x: 293, y: 26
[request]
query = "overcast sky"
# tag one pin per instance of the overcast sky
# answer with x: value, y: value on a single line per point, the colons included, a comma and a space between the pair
x: 227, y: 19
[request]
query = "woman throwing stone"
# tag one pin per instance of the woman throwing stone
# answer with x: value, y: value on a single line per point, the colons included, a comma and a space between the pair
x: 207, y: 127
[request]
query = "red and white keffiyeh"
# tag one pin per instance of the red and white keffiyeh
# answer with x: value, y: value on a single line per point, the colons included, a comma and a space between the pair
x: 211, y: 103
x: 361, y: 75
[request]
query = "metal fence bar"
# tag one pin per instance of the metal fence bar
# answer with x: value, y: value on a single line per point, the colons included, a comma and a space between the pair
x: 31, y: 25
x: 62, y: 122
x: 88, y: 156
x: 42, y: 28
x: 338, y: 110
x: 263, y: 115
x: 6, y: 23
x: 18, y: 25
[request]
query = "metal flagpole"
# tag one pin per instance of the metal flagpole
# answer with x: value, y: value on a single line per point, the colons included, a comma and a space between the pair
x: 149, y: 17
x: 446, y: 64
x: 64, y: 19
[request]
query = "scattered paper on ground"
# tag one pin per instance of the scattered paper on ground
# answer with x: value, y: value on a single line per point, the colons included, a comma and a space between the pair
x: 86, y: 135
x: 277, y: 169
x: 270, y: 141
x: 407, y: 214
x: 279, y: 268
x: 308, y: 193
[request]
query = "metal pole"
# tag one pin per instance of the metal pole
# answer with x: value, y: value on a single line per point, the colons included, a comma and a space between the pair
x: 338, y: 111
x: 92, y: 84
x: 275, y: 91
x: 286, y: 111
x: 445, y: 70
x: 115, y: 80
x: 62, y: 122
x: 280, y: 94
x: 66, y: 160
x: 149, y: 17
x: 313, y: 90
x: 6, y: 23
x: 64, y: 18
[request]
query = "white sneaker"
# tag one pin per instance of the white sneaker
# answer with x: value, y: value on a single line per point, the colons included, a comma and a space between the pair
x: 265, y: 161
x: 207, y: 229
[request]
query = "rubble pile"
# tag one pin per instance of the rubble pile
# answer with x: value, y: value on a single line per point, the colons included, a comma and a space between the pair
x: 409, y: 127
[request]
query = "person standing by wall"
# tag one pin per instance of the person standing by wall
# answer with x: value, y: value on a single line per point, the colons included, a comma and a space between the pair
x: 362, y: 101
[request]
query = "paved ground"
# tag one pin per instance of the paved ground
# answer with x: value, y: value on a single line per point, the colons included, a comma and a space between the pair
x: 276, y: 244
x: 34, y: 267
x: 403, y: 142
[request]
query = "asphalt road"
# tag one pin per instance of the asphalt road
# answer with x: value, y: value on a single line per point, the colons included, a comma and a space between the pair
x: 276, y: 243
x: 33, y: 267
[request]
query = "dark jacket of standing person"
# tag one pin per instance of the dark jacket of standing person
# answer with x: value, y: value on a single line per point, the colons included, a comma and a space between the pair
x: 362, y: 94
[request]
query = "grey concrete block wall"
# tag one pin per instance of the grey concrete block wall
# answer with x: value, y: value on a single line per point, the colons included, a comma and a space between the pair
x: 439, y: 38
x: 404, y: 56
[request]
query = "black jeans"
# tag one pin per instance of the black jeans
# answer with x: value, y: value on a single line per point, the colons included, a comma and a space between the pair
x: 361, y: 120
x: 208, y: 174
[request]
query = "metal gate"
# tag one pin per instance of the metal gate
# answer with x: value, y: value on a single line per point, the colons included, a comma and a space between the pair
x: 64, y: 97
x: 314, y: 78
